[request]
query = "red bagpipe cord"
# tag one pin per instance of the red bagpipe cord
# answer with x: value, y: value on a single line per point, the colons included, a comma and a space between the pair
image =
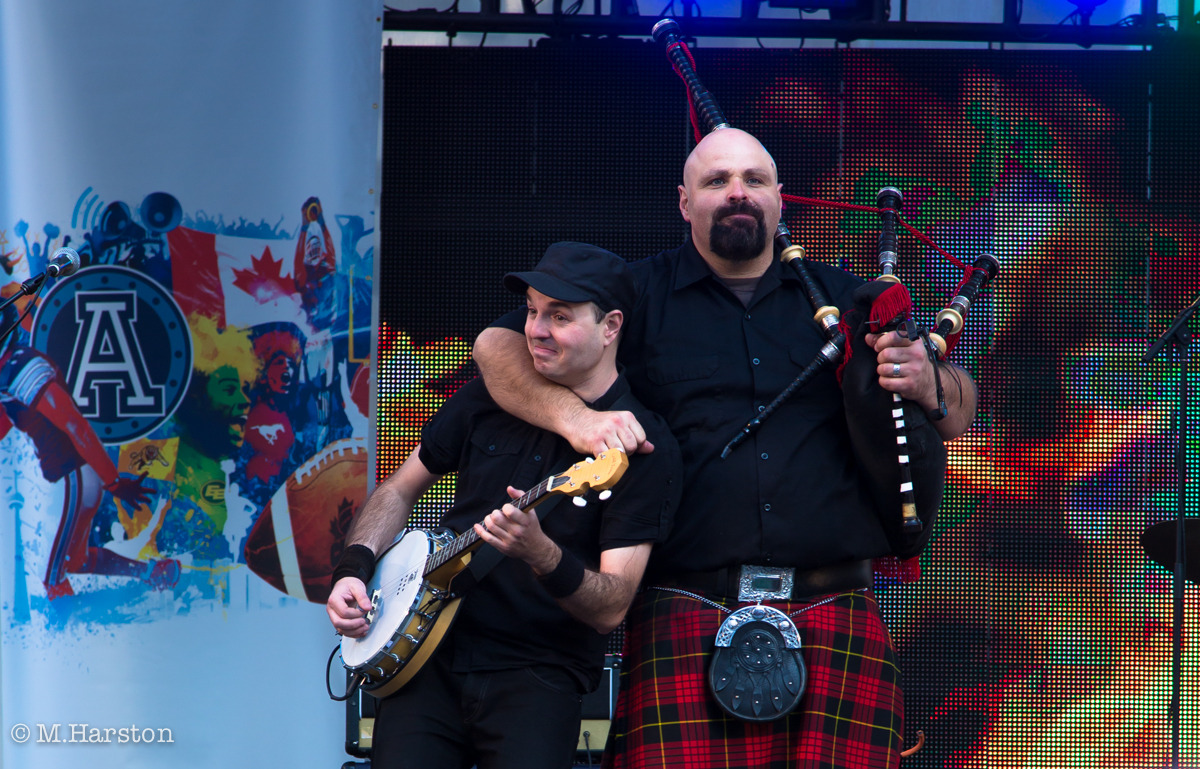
x: 881, y: 314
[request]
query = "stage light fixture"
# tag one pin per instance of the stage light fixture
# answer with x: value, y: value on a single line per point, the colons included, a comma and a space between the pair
x: 814, y: 5
x: 818, y: 4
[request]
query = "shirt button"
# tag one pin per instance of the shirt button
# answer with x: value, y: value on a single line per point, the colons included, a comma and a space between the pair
x: 492, y: 447
x: 537, y: 458
x: 763, y: 455
x: 767, y: 507
x: 755, y: 361
x: 762, y: 408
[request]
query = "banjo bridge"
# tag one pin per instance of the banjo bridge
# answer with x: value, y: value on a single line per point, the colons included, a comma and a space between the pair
x: 376, y: 598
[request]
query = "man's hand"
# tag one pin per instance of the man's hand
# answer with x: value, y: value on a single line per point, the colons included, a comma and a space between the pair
x: 591, y: 432
x: 518, y: 534
x: 904, y: 368
x: 347, y: 607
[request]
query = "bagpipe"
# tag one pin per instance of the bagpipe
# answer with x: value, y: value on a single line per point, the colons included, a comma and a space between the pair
x: 896, y: 442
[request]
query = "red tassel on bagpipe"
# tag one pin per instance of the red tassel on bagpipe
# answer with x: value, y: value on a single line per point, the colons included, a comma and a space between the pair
x: 889, y: 309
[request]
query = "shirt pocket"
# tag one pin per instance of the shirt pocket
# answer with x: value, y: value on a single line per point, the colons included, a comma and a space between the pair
x: 521, y: 455
x: 690, y: 392
x: 495, y: 442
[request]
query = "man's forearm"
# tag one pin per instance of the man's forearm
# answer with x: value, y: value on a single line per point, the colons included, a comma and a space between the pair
x: 601, y: 601
x: 515, y: 385
x: 603, y: 596
x: 962, y: 401
x: 507, y: 370
x: 379, y: 521
x: 387, y: 509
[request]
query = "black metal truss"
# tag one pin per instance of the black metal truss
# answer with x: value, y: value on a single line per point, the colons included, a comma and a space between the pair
x: 1147, y: 29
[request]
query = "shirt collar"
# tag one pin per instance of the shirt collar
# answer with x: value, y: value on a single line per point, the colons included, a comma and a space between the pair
x: 691, y: 268
x: 616, y: 390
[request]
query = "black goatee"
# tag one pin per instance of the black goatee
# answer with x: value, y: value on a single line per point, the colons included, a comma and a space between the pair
x: 738, y: 242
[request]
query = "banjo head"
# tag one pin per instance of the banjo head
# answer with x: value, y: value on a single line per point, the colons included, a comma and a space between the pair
x: 393, y: 590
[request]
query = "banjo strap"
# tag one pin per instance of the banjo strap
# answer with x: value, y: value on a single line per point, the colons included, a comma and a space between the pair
x: 487, y: 557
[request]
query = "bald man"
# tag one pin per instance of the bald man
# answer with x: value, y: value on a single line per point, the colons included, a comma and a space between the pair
x: 785, y: 522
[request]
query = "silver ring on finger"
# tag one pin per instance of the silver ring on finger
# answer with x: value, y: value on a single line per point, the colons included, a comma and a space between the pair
x: 895, y: 371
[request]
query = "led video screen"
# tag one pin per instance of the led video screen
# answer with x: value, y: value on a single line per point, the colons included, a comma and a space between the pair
x: 1038, y: 633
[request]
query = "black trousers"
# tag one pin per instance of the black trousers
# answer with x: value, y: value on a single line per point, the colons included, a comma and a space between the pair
x: 510, y: 719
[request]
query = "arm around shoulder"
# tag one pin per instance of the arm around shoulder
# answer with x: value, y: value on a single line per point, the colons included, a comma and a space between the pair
x: 514, y: 384
x: 511, y: 380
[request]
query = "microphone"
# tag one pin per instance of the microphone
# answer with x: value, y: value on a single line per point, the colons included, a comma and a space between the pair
x: 64, y: 262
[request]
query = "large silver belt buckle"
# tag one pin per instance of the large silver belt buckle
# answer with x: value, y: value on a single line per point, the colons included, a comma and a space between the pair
x: 765, y: 583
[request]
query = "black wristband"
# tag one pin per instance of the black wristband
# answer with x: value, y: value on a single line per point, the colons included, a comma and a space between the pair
x: 566, y: 577
x: 356, y: 561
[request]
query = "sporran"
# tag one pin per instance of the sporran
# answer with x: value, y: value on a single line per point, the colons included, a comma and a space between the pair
x: 757, y: 672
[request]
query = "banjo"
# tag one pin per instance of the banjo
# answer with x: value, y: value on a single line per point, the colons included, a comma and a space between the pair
x: 412, y: 600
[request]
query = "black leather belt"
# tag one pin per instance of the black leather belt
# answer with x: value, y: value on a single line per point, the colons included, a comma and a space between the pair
x: 772, y: 583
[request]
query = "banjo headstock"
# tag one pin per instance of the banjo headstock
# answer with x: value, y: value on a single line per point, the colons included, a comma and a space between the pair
x: 592, y: 474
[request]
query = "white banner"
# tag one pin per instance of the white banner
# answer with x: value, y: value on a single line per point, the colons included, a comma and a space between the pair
x: 183, y: 428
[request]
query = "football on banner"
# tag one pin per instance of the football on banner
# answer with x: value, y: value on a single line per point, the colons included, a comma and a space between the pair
x: 298, y: 539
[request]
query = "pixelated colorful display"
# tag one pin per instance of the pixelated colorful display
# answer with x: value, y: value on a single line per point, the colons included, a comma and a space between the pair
x: 1039, y: 632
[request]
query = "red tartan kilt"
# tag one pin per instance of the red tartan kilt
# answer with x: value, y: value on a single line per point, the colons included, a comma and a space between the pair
x: 851, y: 714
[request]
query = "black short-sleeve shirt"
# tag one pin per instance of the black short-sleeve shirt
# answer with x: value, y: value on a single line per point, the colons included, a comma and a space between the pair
x: 509, y: 620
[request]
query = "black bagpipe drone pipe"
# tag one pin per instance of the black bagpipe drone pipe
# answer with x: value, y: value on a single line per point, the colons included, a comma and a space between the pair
x: 897, y: 443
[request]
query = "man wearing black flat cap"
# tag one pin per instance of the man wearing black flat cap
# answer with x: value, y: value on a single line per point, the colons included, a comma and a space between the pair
x: 503, y: 690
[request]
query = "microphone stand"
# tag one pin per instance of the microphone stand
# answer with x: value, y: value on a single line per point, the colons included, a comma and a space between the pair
x: 30, y: 287
x: 1178, y: 337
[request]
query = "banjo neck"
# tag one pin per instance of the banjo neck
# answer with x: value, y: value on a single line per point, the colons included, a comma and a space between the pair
x: 469, y: 540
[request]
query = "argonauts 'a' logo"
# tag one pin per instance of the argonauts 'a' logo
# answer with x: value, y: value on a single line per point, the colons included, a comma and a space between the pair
x: 123, y: 345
